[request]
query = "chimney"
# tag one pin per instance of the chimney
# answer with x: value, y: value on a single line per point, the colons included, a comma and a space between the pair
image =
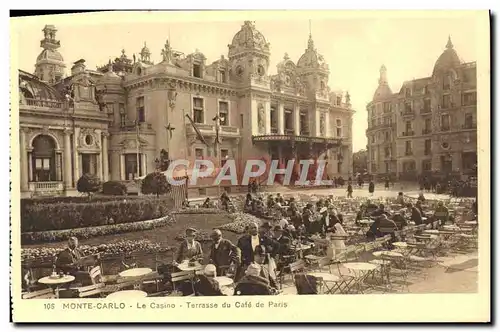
x: 78, y: 67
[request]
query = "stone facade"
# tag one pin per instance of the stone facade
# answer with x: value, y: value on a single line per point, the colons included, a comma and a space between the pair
x: 118, y: 120
x: 429, y: 125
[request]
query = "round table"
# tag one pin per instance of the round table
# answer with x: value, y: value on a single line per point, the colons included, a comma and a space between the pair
x: 360, y: 266
x: 325, y: 276
x: 136, y: 272
x: 54, y: 283
x: 127, y: 294
x: 224, y: 281
x: 471, y: 222
x: 184, y: 266
x: 400, y: 244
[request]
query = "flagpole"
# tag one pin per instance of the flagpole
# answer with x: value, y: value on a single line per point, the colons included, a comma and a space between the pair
x: 137, y: 146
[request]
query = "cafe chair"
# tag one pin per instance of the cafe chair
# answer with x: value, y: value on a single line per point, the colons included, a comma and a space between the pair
x: 46, y: 293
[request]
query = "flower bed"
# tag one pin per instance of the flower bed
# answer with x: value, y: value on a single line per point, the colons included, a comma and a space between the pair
x: 192, y: 210
x: 201, y: 236
x: 44, y: 254
x: 37, y: 215
x: 241, y: 221
x: 89, y: 232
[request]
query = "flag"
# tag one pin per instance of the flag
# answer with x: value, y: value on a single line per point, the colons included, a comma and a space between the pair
x: 198, y: 132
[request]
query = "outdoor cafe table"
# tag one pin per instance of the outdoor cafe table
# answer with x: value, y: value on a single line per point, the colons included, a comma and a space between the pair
x: 135, y: 272
x: 360, y: 270
x: 327, y: 277
x: 471, y: 222
x: 55, y: 282
x: 184, y: 266
x: 387, y: 253
x: 127, y: 294
x: 224, y: 281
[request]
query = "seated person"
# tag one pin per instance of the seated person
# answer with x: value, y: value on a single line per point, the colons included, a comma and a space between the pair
x: 207, y: 203
x: 370, y: 207
x: 421, y: 197
x: 416, y: 216
x: 206, y: 285
x: 419, y: 207
x: 252, y: 283
x: 189, y: 249
x: 441, y: 214
x: 399, y: 219
x: 400, y: 199
x: 378, y: 212
x: 267, y: 264
x: 70, y: 261
x: 280, y: 199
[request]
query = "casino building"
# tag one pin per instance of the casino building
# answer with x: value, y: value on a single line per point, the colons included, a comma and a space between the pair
x: 123, y: 119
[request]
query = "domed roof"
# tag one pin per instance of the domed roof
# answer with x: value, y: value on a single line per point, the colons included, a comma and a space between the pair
x: 31, y: 87
x: 311, y: 59
x: 248, y: 38
x: 448, y: 59
x: 383, y: 90
x: 49, y: 54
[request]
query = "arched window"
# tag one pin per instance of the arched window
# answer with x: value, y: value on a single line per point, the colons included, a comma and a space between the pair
x: 44, y: 168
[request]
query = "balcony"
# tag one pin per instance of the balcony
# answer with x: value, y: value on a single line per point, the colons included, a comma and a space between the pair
x: 408, y: 112
x: 131, y: 126
x: 408, y: 133
x: 48, y: 188
x: 469, y: 126
x: 209, y: 130
x: 425, y: 111
x: 289, y: 131
x: 426, y: 131
x: 32, y: 102
x: 445, y: 128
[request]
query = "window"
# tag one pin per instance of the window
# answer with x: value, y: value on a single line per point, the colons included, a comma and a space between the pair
x: 373, y: 139
x: 132, y: 166
x: 289, y: 121
x: 469, y: 121
x: 374, y: 122
x: 339, y: 100
x: 339, y: 123
x: 387, y: 107
x: 374, y: 167
x: 89, y: 163
x: 224, y: 155
x: 445, y: 122
x: 44, y: 159
x: 198, y: 153
x: 198, y: 110
x: 387, y: 151
x: 241, y: 121
x: 408, y: 92
x: 446, y: 101
x: 408, y: 127
x: 224, y: 113
x: 446, y: 82
x: 379, y: 121
x: 426, y: 165
x: 387, y: 136
x: 222, y: 74
x: 274, y: 120
x: 141, y: 116
x: 408, y: 108
x: 387, y: 120
x: 408, y: 149
x: 469, y: 99
x: 122, y: 114
x: 427, y: 105
x: 197, y: 70
x: 373, y: 154
x: 427, y: 147
x: 304, y: 129
x: 427, y: 126
x: 425, y: 90
x: 339, y: 132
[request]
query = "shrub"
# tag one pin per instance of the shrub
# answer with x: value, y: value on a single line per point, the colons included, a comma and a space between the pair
x: 155, y: 183
x: 88, y: 184
x: 43, y: 217
x: 114, y: 188
x: 94, y: 231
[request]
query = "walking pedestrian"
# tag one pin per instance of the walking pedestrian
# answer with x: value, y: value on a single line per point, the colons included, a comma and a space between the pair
x: 349, y: 190
x: 371, y: 188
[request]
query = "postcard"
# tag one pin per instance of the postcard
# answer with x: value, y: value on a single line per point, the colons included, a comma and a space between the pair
x: 284, y: 166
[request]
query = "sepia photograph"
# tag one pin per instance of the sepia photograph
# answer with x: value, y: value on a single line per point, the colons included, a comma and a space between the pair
x: 213, y: 162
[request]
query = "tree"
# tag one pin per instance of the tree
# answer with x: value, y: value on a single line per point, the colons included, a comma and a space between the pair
x: 88, y: 184
x: 114, y: 188
x: 155, y: 183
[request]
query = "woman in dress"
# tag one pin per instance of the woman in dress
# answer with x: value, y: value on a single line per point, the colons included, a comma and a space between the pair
x: 190, y: 249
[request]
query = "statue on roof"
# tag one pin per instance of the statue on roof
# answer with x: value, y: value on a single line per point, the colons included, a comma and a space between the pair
x: 166, y: 52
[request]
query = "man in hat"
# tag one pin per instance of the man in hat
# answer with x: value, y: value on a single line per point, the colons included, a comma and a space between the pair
x: 223, y: 252
x: 206, y: 284
x: 189, y: 249
x: 252, y: 283
x: 248, y: 242
x: 72, y: 261
x: 283, y: 240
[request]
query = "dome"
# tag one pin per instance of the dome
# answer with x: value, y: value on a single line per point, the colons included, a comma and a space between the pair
x: 248, y: 38
x: 49, y: 54
x: 31, y: 87
x: 311, y: 58
x: 383, y: 90
x: 448, y: 59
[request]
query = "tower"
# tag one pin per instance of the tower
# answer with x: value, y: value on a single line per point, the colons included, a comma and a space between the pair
x: 50, y: 65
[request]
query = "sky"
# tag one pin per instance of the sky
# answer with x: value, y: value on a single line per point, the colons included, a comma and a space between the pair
x: 354, y: 44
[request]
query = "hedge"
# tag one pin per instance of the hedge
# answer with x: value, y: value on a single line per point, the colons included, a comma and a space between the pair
x: 90, y: 232
x: 44, y: 217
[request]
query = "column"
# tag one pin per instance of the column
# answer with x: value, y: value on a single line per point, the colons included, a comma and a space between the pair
x: 76, y: 156
x: 24, y: 161
x: 68, y: 181
x: 281, y: 119
x: 316, y: 130
x: 122, y: 167
x: 143, y: 164
x: 267, y: 123
x: 30, y: 167
x: 296, y: 118
x: 328, y: 130
x: 104, y: 154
